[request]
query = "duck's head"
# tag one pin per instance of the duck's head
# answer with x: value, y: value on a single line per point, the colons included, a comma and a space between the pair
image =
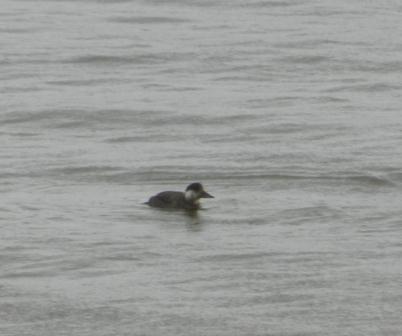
x: 195, y: 191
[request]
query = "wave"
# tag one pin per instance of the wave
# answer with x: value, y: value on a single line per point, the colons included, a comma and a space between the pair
x: 272, y: 4
x: 140, y: 59
x: 306, y: 59
x: 122, y: 175
x: 148, y: 20
x: 134, y: 120
x: 78, y: 170
x: 288, y: 256
x: 357, y: 179
x: 87, y: 82
x: 61, y: 118
x: 181, y: 3
x: 373, y: 87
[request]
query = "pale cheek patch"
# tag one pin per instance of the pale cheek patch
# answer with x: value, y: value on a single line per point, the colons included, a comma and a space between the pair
x: 190, y: 195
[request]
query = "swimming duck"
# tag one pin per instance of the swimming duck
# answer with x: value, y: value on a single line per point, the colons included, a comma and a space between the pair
x: 189, y: 199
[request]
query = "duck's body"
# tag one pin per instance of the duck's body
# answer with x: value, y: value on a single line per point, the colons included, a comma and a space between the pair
x: 172, y: 199
x: 188, y: 200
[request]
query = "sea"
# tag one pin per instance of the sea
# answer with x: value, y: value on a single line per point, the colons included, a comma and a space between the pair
x: 288, y: 112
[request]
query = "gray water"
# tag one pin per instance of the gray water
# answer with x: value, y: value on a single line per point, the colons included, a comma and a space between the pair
x: 289, y: 113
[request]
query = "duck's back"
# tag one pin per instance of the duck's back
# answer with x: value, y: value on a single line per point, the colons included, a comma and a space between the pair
x: 170, y: 199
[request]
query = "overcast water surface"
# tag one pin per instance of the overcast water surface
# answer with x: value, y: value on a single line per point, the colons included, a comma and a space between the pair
x: 288, y: 112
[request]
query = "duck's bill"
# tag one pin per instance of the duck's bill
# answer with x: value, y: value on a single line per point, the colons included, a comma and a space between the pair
x: 206, y: 195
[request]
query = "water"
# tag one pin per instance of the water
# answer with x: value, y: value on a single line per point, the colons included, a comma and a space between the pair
x: 288, y: 112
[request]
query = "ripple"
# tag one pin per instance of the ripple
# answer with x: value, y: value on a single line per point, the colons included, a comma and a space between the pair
x: 372, y: 87
x: 148, y: 20
x: 87, y: 82
x: 190, y: 3
x: 141, y: 59
x: 86, y: 169
x: 67, y: 118
x: 306, y: 59
x: 27, y: 274
x: 272, y: 4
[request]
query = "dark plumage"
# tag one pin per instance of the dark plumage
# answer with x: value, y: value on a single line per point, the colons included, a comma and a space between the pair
x: 188, y: 200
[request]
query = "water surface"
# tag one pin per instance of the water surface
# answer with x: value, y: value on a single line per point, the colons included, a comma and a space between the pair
x: 288, y: 112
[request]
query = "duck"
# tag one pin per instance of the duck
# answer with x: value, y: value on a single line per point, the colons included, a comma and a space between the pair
x: 187, y: 200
